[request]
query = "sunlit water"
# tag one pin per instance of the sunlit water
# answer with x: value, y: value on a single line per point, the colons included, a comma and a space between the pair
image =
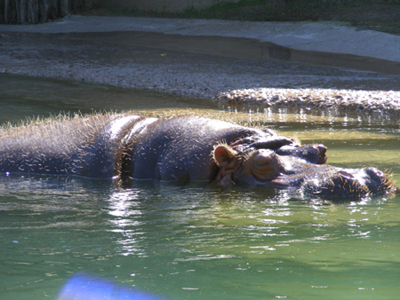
x: 198, y: 241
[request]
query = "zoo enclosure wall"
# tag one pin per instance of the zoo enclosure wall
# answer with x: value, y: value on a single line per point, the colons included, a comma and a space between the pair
x: 39, y: 11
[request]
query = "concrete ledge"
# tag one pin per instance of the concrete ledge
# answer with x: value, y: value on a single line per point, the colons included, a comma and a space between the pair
x: 316, y: 43
x: 251, y: 49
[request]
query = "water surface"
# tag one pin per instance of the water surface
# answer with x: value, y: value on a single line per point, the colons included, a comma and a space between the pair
x: 198, y: 241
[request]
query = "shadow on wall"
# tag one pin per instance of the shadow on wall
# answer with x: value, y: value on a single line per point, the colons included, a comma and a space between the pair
x: 34, y: 11
x: 160, y: 5
x: 40, y: 11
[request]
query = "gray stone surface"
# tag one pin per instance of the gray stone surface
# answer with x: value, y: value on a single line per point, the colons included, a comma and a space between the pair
x: 306, y: 36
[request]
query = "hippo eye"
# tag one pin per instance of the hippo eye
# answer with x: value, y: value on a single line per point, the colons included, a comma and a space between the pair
x: 264, y: 158
x: 265, y: 166
x: 264, y: 161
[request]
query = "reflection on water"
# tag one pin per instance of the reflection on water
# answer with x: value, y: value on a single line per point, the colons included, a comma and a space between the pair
x: 196, y: 241
x: 190, y: 242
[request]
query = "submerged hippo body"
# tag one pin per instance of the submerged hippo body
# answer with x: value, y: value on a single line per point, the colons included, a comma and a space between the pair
x: 184, y: 148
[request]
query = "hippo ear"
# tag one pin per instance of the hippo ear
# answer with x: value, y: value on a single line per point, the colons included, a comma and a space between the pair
x: 225, y: 156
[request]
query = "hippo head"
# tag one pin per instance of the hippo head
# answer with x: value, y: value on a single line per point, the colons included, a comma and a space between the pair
x: 288, y: 170
x: 281, y: 145
x: 348, y: 182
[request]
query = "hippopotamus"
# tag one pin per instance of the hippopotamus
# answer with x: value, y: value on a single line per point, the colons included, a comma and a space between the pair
x: 180, y: 148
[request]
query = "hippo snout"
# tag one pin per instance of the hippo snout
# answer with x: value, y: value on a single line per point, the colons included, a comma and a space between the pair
x: 377, y: 179
x: 350, y: 182
x: 375, y: 174
x: 322, y: 154
x: 315, y: 154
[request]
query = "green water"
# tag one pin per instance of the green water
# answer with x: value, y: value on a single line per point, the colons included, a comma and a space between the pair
x: 196, y: 241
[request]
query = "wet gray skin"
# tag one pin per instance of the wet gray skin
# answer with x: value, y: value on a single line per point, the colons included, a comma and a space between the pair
x: 179, y: 148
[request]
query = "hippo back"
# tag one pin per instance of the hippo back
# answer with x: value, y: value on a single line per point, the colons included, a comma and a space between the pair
x: 180, y: 148
x: 87, y: 147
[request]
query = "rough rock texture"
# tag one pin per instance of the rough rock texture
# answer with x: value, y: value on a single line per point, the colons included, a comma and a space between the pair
x: 342, y: 100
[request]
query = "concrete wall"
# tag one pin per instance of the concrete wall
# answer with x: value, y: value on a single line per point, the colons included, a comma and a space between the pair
x: 160, y: 5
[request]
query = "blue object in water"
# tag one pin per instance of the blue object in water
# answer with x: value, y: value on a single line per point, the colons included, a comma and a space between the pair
x: 85, y: 287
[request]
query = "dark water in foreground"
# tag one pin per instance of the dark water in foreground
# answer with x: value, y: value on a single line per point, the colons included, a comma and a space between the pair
x: 196, y: 241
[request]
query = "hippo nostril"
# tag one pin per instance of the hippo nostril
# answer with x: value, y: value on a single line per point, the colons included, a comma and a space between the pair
x: 322, y: 153
x: 375, y: 174
x: 322, y: 149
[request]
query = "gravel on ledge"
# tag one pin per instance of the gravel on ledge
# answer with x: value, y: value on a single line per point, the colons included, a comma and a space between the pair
x: 343, y: 100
